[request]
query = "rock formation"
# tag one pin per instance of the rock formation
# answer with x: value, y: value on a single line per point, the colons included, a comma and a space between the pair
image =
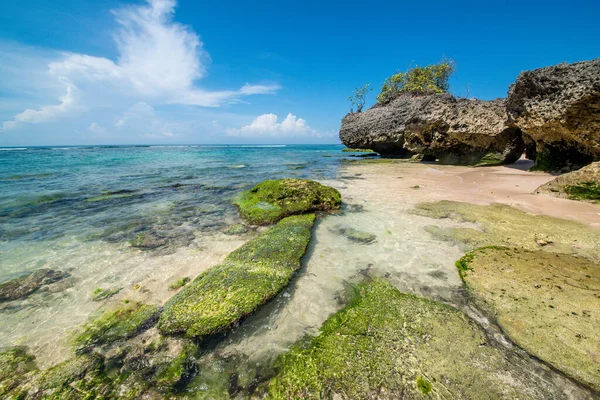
x: 438, y: 126
x: 552, y: 114
x: 559, y: 108
x: 583, y: 184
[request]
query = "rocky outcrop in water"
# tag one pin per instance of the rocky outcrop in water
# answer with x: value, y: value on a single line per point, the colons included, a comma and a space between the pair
x: 24, y: 286
x: 559, y: 108
x: 438, y: 126
x: 583, y: 184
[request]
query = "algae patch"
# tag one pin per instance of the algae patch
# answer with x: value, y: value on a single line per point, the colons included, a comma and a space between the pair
x: 547, y: 303
x: 387, y: 344
x: 117, y: 324
x: 269, y: 201
x: 249, y: 277
x: 502, y: 225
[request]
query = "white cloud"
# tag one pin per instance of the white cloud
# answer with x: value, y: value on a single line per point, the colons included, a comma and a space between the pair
x: 46, y: 113
x: 266, y: 125
x: 158, y: 61
x: 95, y: 128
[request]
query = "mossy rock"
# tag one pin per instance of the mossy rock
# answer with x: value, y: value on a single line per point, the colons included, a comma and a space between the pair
x: 584, y: 191
x: 502, y: 225
x: 170, y: 373
x: 269, y: 201
x: 102, y: 294
x: 387, y: 344
x: 546, y: 303
x: 15, y: 363
x: 179, y: 283
x: 491, y: 159
x: 117, y: 324
x: 249, y: 277
x: 583, y: 184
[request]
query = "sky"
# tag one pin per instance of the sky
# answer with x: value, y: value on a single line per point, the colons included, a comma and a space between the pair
x: 76, y: 72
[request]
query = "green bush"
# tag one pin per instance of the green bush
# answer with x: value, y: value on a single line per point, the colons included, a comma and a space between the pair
x: 432, y: 78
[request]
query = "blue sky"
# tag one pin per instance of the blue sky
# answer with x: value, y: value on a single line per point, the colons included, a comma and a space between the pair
x: 114, y: 72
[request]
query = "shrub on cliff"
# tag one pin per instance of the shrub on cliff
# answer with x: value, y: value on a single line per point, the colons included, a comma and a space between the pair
x: 359, y: 96
x: 431, y: 78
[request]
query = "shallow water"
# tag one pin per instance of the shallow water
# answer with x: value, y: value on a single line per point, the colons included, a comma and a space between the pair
x: 75, y: 209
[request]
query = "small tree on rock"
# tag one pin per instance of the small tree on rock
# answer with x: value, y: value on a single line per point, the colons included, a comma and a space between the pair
x: 431, y: 78
x: 359, y: 96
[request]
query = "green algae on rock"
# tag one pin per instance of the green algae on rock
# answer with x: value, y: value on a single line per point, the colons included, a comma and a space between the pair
x: 102, y: 294
x: 547, y: 303
x: 249, y: 277
x: 179, y: 283
x: 583, y: 184
x: 117, y: 324
x: 387, y: 344
x: 269, y: 201
x: 502, y: 225
x: 15, y: 363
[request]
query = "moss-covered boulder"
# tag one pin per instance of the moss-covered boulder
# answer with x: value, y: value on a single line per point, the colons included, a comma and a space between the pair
x: 546, y: 303
x: 117, y: 324
x: 269, y: 201
x: 15, y: 364
x: 583, y: 184
x: 249, y: 276
x: 391, y: 345
x: 502, y: 225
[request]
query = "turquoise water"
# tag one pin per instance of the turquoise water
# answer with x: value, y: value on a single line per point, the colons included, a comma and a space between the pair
x: 113, y: 193
x: 76, y: 209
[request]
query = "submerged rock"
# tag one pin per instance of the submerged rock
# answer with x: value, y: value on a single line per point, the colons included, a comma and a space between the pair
x: 438, y: 126
x: 583, y: 184
x: 249, y: 277
x: 21, y: 287
x: 559, y: 108
x: 117, y: 324
x: 237, y: 229
x: 390, y: 345
x: 353, y: 235
x: 269, y: 201
x: 546, y: 303
x: 148, y: 241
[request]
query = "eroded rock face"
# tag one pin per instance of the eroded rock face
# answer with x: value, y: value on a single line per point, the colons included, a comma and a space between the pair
x: 559, y: 108
x: 438, y: 126
x: 583, y: 184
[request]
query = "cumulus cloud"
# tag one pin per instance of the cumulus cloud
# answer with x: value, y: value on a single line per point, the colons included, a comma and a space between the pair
x: 159, y: 61
x: 267, y: 125
x: 46, y: 113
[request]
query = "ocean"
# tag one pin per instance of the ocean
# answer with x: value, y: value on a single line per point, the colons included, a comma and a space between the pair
x: 76, y: 210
